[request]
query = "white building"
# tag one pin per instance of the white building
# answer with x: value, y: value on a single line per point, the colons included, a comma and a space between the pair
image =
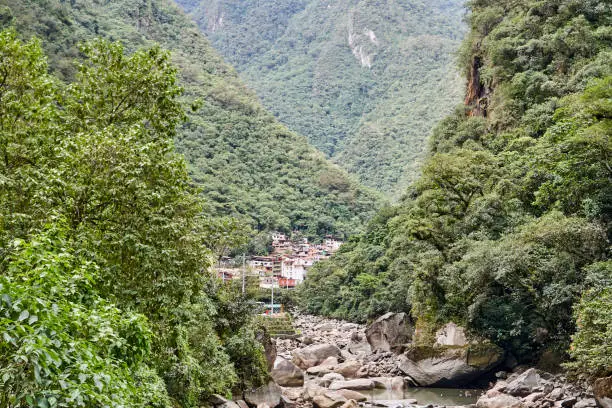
x: 295, y: 268
x: 332, y: 244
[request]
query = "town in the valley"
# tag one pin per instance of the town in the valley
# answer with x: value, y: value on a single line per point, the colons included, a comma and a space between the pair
x: 285, y: 267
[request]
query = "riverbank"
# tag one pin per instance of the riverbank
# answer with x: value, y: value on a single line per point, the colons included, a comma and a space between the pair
x: 337, y: 364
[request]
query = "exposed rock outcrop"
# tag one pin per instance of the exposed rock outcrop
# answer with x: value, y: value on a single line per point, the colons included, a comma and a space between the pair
x: 528, y: 383
x: 429, y: 366
x: 360, y: 384
x: 269, y: 394
x: 286, y: 373
x: 315, y: 354
x: 389, y: 332
x: 451, y: 335
x: 329, y: 400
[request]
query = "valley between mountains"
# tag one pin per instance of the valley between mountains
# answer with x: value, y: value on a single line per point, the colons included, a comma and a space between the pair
x: 305, y: 203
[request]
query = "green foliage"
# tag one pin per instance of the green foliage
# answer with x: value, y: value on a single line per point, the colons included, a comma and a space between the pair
x: 63, y: 345
x: 364, y: 81
x: 245, y: 163
x: 509, y: 222
x: 97, y: 157
x: 592, y: 344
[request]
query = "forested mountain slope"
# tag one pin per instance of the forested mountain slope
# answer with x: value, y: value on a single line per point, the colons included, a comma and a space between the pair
x: 107, y: 297
x: 247, y: 164
x: 364, y: 81
x: 507, y: 230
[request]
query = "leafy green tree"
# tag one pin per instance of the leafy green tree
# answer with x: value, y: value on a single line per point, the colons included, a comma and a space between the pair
x: 592, y: 345
x: 64, y: 345
x: 101, y: 161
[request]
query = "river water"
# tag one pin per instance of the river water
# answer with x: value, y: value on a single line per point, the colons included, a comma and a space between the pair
x: 424, y: 396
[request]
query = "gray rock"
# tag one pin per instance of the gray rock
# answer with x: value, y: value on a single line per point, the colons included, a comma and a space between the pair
x: 242, y: 404
x: 217, y: 399
x: 536, y: 396
x: 389, y: 332
x: 359, y: 347
x: 288, y: 403
x: 333, y: 377
x: 556, y: 394
x: 269, y: 394
x: 311, y: 390
x: 527, y: 383
x: 329, y: 400
x: 313, y: 355
x: 293, y: 393
x: 449, y: 366
x: 603, y: 391
x: 382, y: 383
x: 499, y: 401
x: 229, y: 404
x: 451, y: 335
x: 348, y: 369
x: 352, y: 395
x: 319, y: 370
x: 286, y: 373
x: 361, y: 384
x: 350, y: 404
x: 307, y: 340
x: 586, y: 403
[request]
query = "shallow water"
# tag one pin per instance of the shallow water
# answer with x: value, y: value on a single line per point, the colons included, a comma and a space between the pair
x: 424, y: 396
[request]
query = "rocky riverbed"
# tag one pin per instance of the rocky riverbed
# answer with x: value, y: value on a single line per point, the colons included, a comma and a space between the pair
x: 336, y: 364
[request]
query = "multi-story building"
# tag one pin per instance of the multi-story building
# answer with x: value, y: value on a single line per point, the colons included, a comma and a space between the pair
x: 267, y: 265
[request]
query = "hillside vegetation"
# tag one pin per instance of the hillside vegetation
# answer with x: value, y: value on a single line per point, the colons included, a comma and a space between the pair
x: 108, y: 233
x: 507, y: 229
x: 364, y: 81
x: 247, y: 165
x: 106, y: 293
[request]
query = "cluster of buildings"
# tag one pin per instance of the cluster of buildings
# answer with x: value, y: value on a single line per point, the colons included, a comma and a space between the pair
x: 288, y: 263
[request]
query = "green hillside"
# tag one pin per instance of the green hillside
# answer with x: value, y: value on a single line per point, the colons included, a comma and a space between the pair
x: 246, y: 163
x: 507, y: 229
x: 364, y: 81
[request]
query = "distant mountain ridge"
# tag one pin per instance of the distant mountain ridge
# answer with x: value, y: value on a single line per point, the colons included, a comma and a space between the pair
x: 363, y: 81
x: 247, y: 164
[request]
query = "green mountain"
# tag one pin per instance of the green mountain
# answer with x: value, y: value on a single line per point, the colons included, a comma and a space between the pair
x: 247, y: 164
x: 507, y: 229
x: 365, y: 81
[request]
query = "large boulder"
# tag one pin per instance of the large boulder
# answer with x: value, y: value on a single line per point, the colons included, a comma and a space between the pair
x: 389, y: 332
x: 286, y: 373
x: 499, y: 401
x: 451, y: 366
x: 311, y: 390
x: 360, y: 384
x: 603, y: 391
x: 451, y: 335
x: 269, y: 394
x: 528, y: 383
x: 352, y: 395
x: 329, y: 400
x: 348, y: 369
x: 313, y: 355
